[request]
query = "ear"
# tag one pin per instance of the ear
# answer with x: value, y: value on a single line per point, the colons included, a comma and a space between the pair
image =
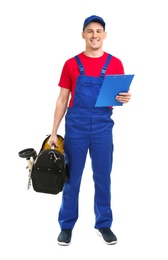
x: 83, y: 35
x: 105, y: 35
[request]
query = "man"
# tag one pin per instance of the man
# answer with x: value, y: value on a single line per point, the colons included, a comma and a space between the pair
x: 87, y: 128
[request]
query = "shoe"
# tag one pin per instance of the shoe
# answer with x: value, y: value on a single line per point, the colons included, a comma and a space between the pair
x: 64, y: 238
x: 107, y: 235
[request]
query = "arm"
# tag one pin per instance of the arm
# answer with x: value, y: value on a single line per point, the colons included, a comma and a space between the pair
x: 123, y: 97
x: 60, y: 109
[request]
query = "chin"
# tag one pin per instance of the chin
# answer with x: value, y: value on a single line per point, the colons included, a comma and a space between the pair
x: 96, y: 47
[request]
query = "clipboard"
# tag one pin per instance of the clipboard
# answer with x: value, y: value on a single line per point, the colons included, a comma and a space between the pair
x: 111, y: 87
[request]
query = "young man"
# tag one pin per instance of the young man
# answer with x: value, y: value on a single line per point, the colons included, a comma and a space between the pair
x: 87, y: 128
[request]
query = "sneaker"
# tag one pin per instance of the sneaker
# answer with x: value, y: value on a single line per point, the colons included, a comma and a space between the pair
x: 64, y: 238
x: 107, y: 235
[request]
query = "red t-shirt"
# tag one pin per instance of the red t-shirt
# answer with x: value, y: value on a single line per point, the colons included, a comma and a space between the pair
x: 92, y: 67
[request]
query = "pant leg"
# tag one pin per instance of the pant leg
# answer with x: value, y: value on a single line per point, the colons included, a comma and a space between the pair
x: 76, y: 143
x: 101, y: 152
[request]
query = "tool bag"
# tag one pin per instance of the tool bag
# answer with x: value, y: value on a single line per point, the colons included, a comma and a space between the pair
x: 49, y: 171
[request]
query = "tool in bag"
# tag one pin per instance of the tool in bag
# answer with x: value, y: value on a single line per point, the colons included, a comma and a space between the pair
x: 47, y: 169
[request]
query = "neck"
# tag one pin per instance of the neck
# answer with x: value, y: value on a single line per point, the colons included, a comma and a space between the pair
x: 93, y: 53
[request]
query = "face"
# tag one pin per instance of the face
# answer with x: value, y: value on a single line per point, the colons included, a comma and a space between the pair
x: 94, y: 35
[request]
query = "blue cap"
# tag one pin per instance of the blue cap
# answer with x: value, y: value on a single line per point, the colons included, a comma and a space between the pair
x: 94, y: 18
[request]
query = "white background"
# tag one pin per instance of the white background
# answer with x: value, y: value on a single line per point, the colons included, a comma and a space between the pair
x: 36, y: 37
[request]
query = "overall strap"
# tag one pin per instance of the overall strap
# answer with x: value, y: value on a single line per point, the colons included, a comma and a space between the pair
x: 105, y: 65
x: 81, y: 68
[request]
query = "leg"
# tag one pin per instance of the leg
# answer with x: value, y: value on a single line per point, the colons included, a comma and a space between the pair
x: 101, y: 152
x: 75, y: 146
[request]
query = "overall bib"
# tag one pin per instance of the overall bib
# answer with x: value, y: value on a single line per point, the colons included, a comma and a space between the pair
x: 88, y: 128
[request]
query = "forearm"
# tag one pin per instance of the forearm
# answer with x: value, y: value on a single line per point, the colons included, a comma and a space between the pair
x: 59, y: 112
x: 60, y: 108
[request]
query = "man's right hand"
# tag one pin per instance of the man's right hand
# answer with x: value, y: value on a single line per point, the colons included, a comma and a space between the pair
x: 53, y: 140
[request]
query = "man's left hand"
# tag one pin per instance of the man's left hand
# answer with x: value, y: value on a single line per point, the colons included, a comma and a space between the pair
x: 124, y: 97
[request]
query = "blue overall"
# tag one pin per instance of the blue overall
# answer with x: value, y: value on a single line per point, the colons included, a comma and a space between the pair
x: 88, y: 128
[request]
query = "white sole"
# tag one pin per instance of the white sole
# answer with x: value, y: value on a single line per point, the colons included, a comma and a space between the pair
x: 63, y: 243
x: 108, y: 243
